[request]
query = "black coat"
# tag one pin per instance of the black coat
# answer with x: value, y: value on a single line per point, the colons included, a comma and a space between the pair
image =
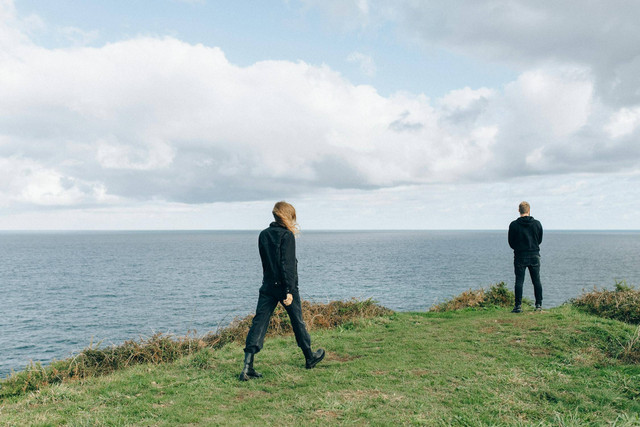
x: 277, y: 247
x: 525, y: 236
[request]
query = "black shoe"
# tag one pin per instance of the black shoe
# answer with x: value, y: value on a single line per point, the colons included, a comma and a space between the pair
x: 314, y: 359
x: 252, y: 373
x: 538, y: 307
x: 248, y: 373
x: 517, y: 309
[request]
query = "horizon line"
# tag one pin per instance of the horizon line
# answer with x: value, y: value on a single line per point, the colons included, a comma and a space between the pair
x: 106, y: 230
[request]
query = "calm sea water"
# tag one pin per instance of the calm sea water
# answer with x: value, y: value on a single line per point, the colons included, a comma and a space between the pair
x: 61, y: 291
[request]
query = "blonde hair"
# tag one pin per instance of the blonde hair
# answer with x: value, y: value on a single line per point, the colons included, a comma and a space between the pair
x: 524, y: 208
x: 285, y: 214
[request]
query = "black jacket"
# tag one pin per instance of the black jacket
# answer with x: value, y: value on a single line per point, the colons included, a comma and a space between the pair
x: 277, y: 247
x: 525, y: 236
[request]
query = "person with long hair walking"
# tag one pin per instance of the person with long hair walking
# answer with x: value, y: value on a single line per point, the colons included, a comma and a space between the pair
x: 277, y: 248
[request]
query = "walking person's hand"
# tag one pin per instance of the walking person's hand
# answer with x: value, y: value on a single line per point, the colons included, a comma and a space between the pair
x: 287, y: 301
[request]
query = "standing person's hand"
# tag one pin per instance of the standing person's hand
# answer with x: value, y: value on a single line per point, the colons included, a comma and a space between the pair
x: 287, y: 301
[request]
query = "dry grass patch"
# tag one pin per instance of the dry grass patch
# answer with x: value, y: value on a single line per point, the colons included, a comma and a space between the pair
x: 250, y: 395
x: 340, y: 358
x: 327, y: 415
x: 589, y: 356
x: 496, y: 296
x: 623, y: 303
x: 366, y: 395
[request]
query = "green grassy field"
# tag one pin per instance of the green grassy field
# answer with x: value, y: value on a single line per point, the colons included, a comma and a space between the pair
x: 486, y: 367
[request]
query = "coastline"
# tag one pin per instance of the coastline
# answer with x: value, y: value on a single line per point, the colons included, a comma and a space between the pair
x: 468, y: 367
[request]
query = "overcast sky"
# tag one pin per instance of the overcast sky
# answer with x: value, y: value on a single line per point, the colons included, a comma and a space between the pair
x: 364, y: 114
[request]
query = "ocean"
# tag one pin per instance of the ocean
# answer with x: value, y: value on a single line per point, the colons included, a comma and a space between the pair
x: 61, y: 291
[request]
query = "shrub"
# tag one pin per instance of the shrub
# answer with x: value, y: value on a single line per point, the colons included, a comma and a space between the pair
x: 498, y: 295
x: 160, y: 348
x: 631, y: 349
x: 623, y: 303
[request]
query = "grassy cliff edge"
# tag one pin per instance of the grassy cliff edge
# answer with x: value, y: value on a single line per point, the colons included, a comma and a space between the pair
x: 467, y: 367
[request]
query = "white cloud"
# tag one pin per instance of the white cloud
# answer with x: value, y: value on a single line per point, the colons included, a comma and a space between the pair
x: 23, y: 181
x: 348, y: 14
x: 601, y: 36
x: 462, y: 99
x: 366, y: 63
x: 562, y: 98
x: 182, y: 123
x: 157, y: 119
x: 78, y: 36
x: 11, y: 29
x: 114, y: 155
x: 162, y: 119
x: 623, y: 122
x: 570, y: 201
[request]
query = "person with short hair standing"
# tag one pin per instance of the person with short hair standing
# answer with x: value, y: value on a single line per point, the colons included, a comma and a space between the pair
x: 277, y: 246
x: 525, y: 236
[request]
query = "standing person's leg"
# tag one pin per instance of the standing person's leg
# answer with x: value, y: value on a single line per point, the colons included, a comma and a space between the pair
x: 294, y: 310
x: 519, y: 269
x: 257, y: 332
x: 534, y: 272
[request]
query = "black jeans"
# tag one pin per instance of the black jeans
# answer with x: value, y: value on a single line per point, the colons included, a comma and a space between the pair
x: 520, y: 264
x: 266, y: 304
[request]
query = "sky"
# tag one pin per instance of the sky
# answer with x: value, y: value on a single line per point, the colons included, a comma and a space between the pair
x: 364, y: 114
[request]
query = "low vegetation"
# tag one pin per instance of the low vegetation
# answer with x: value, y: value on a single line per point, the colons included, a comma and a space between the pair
x: 498, y: 295
x: 468, y: 362
x: 622, y: 303
x: 466, y: 367
x: 96, y: 361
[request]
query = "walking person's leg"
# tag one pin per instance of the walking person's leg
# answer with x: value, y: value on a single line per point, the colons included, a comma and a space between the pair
x: 519, y: 269
x: 294, y: 310
x: 255, y: 337
x: 534, y: 272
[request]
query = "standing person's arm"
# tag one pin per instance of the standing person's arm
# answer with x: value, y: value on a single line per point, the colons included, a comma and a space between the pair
x: 288, y: 265
x: 511, y: 236
x: 540, y: 236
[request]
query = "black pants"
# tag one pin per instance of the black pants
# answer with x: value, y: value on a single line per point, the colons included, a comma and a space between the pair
x: 533, y: 264
x: 266, y: 304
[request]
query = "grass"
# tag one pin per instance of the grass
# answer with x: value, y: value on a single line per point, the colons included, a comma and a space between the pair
x: 466, y: 367
x: 623, y: 303
x: 158, y: 349
x: 496, y: 296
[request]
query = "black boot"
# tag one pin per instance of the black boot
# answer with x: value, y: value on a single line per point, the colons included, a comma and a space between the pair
x: 252, y: 372
x: 517, y: 309
x: 313, y: 358
x: 248, y: 372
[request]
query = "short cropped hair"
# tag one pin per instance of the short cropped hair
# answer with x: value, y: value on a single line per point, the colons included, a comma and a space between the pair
x: 524, y: 208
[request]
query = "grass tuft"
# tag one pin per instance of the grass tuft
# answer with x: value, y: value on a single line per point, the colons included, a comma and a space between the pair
x: 631, y: 349
x: 161, y: 348
x: 497, y: 296
x: 623, y: 303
